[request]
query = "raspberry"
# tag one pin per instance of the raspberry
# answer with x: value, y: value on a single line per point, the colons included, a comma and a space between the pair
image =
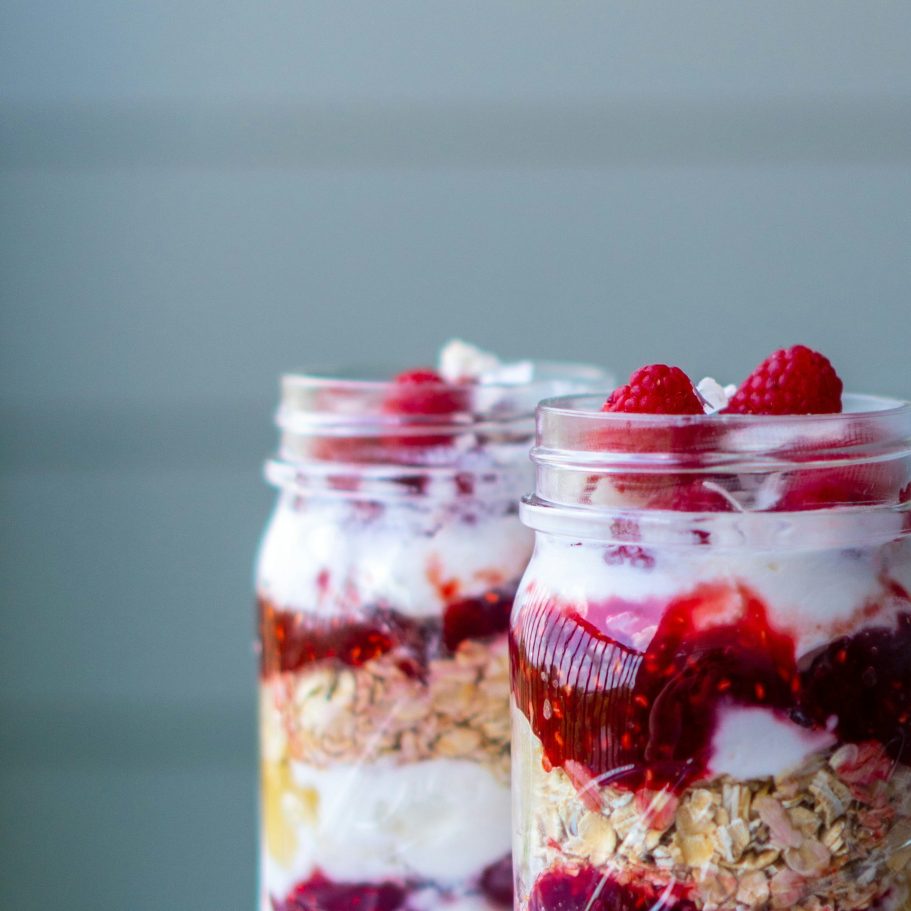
x: 827, y: 488
x: 692, y: 495
x: 423, y: 392
x: 794, y: 380
x: 864, y: 482
x: 420, y: 376
x: 656, y: 389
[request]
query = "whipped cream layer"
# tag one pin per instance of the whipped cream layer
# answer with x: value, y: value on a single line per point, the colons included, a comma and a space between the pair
x: 322, y: 555
x: 753, y: 742
x: 813, y: 595
x: 443, y: 820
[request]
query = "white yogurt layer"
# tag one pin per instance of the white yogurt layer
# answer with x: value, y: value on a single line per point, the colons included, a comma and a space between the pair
x: 813, y: 595
x: 752, y: 742
x: 325, y: 555
x: 443, y: 820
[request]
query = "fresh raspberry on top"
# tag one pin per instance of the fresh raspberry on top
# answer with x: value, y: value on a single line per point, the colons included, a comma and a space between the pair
x: 423, y: 394
x: 794, y: 380
x: 656, y: 389
x: 422, y: 391
x: 419, y: 376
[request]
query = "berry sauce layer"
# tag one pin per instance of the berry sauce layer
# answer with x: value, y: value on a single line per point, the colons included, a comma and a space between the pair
x: 589, y: 890
x: 647, y: 718
x: 320, y: 893
x: 292, y: 640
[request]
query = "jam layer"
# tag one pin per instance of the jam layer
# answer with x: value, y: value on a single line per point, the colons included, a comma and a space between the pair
x: 589, y: 890
x: 319, y: 893
x: 292, y: 640
x: 636, y: 719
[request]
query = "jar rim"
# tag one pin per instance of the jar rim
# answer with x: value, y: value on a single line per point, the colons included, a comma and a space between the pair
x: 572, y: 431
x: 349, y: 416
x: 348, y: 401
x: 876, y: 406
x: 612, y: 463
x: 376, y: 379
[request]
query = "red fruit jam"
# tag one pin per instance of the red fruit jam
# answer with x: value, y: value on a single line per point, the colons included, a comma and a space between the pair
x: 589, y: 890
x: 477, y: 618
x: 634, y: 719
x: 496, y: 882
x: 319, y: 893
x: 291, y: 639
x: 865, y: 682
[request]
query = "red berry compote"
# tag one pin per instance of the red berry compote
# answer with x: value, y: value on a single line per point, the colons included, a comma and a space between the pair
x: 385, y: 583
x: 711, y: 655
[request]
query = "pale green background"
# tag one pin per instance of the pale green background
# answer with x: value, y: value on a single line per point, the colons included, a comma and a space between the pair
x: 198, y: 195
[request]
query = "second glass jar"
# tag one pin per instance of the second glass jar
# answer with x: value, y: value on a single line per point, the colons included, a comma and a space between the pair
x: 385, y: 582
x: 711, y: 663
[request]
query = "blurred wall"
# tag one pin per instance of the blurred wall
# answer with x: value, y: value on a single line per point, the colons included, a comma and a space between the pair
x: 197, y: 196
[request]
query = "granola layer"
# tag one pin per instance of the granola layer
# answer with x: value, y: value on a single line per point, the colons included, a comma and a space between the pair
x: 332, y: 714
x: 355, y: 756
x: 833, y: 833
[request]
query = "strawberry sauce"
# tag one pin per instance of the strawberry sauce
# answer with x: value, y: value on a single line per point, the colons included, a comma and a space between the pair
x: 320, y: 893
x: 590, y: 890
x: 864, y: 680
x: 634, y: 719
x: 292, y: 640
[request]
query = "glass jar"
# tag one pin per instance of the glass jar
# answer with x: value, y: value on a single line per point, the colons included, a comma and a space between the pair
x: 711, y: 662
x: 385, y: 581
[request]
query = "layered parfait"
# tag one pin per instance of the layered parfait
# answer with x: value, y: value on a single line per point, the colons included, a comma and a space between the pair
x: 711, y: 648
x: 385, y: 583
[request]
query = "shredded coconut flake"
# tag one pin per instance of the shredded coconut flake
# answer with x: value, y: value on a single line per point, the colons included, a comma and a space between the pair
x: 516, y: 373
x: 714, y: 394
x: 460, y: 361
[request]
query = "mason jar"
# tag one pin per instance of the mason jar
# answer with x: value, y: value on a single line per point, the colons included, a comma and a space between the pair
x: 711, y: 662
x: 385, y: 581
